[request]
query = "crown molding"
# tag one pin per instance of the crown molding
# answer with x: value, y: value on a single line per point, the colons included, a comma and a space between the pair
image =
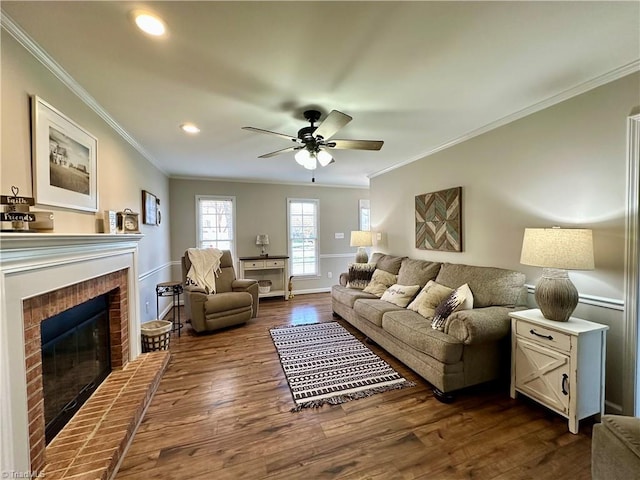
x: 536, y: 107
x: 11, y: 27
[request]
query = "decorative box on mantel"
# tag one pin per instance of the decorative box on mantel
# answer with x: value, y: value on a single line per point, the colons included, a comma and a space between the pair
x: 49, y: 265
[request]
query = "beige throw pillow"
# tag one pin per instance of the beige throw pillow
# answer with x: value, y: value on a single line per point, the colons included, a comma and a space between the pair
x: 380, y: 281
x: 400, y: 295
x: 429, y: 298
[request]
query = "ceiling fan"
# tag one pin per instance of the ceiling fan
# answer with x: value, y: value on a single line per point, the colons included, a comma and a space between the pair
x: 313, y: 142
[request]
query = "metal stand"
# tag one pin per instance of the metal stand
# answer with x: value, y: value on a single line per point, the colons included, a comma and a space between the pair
x: 170, y: 289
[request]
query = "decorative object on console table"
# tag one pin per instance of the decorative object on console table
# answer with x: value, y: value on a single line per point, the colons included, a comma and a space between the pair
x: 262, y: 240
x: 361, y: 239
x: 439, y: 220
x: 560, y: 365
x: 264, y: 286
x: 128, y: 221
x: 16, y: 216
x: 149, y: 208
x: 557, y: 250
x: 64, y: 157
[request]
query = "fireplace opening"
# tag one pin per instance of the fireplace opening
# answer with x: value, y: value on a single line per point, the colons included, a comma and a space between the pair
x: 75, y: 360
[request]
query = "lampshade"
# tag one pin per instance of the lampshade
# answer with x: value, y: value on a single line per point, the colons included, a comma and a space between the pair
x: 557, y: 250
x: 360, y: 238
x: 306, y: 158
x: 324, y: 157
x: 262, y: 239
x: 564, y: 248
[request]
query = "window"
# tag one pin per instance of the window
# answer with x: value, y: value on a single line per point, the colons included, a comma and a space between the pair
x: 215, y: 222
x: 303, y: 236
x: 365, y: 215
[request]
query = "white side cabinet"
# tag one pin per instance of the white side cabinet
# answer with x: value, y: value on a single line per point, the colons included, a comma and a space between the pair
x: 278, y: 264
x: 559, y: 364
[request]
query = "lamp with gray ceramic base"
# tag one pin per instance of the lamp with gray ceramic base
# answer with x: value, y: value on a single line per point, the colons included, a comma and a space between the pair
x: 557, y: 250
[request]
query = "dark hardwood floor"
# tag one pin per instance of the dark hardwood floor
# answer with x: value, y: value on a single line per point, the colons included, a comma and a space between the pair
x: 222, y: 412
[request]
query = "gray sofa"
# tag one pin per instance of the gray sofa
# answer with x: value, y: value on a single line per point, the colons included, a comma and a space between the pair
x: 615, y: 448
x: 473, y: 347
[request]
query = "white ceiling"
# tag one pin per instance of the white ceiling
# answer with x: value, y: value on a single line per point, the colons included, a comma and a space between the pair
x: 418, y: 75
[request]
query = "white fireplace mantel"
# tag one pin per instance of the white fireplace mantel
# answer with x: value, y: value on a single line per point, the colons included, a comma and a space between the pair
x: 36, y: 263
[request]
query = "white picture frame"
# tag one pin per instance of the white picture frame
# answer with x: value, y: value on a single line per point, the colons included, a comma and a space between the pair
x: 64, y: 160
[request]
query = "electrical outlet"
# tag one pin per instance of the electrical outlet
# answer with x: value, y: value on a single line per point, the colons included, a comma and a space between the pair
x: 329, y: 274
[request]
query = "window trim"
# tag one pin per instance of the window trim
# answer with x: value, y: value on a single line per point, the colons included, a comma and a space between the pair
x: 289, y: 245
x: 231, y: 198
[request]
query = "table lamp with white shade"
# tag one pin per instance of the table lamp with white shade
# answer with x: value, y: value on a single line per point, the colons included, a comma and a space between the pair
x: 361, y: 239
x: 262, y: 240
x: 557, y: 250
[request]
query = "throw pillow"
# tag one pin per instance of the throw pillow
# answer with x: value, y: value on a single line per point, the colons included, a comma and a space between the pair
x: 429, y: 298
x: 468, y: 298
x: 380, y: 281
x: 400, y: 295
x: 360, y: 275
x: 447, y: 307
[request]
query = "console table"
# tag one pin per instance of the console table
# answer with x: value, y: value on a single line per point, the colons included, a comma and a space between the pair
x: 267, y: 264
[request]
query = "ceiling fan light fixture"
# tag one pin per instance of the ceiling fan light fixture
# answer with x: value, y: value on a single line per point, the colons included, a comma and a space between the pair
x: 324, y: 158
x: 311, y: 163
x: 302, y: 156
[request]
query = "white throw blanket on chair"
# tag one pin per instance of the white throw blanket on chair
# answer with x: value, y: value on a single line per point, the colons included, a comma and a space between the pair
x: 205, y: 265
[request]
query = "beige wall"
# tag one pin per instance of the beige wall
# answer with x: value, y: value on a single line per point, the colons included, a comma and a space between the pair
x: 122, y: 172
x: 563, y: 166
x: 262, y: 208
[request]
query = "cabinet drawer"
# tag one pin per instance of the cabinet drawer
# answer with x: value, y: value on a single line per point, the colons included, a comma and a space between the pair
x: 274, y: 263
x: 254, y: 264
x: 544, y: 336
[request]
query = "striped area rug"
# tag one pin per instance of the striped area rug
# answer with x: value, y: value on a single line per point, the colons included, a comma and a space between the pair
x: 324, y: 363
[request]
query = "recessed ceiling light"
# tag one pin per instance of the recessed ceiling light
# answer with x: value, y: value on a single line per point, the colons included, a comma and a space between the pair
x: 190, y: 128
x: 149, y: 23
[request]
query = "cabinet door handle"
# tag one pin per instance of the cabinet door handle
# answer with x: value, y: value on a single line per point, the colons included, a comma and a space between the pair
x: 533, y: 332
x: 565, y: 384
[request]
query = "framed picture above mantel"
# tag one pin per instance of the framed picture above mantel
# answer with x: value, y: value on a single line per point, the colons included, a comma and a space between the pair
x: 64, y: 160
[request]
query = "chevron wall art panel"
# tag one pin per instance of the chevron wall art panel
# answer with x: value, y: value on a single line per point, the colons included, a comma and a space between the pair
x: 439, y: 220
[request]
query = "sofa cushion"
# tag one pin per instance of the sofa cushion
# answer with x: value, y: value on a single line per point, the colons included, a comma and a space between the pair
x: 412, y: 329
x: 417, y: 272
x: 429, y: 298
x: 380, y: 281
x: 490, y: 286
x: 373, y: 309
x: 360, y: 275
x: 400, y: 295
x: 348, y: 296
x: 388, y: 263
x: 453, y: 302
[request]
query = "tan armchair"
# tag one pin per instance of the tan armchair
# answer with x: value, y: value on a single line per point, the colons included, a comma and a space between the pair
x: 235, y: 301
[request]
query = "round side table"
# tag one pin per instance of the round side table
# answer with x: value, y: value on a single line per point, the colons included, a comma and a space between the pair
x: 170, y: 289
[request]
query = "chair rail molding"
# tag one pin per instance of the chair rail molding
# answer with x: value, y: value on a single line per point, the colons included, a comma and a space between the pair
x: 631, y: 363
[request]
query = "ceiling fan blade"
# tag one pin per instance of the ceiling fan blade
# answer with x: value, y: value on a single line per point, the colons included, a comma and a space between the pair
x: 334, y: 122
x: 356, y: 144
x: 269, y: 132
x: 278, y: 152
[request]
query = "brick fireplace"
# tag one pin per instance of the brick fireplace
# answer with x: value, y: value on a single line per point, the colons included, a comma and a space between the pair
x: 40, y: 276
x: 43, y: 306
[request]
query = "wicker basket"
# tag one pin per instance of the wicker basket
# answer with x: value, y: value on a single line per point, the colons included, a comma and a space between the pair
x: 156, y: 335
x: 264, y: 286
